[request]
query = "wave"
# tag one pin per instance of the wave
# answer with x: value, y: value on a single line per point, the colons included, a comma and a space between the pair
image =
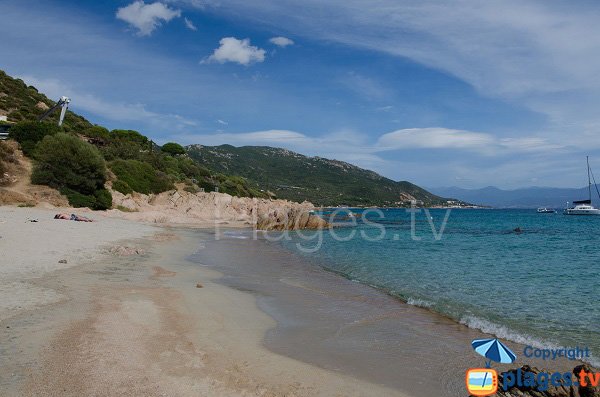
x: 420, y: 303
x: 504, y: 332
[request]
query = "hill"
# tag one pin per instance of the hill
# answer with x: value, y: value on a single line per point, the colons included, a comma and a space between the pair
x: 530, y: 197
x: 131, y: 162
x: 20, y: 102
x: 80, y: 159
x: 321, y: 181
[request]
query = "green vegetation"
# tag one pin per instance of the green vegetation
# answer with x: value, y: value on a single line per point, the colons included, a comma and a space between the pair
x: 296, y: 177
x: 75, y: 158
x: 29, y: 133
x: 122, y: 186
x: 73, y: 166
x: 173, y: 148
x: 140, y: 176
x: 25, y: 103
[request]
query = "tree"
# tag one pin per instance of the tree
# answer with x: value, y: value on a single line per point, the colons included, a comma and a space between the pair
x: 173, y: 148
x: 129, y: 135
x: 75, y: 167
x: 140, y: 177
x: 29, y: 133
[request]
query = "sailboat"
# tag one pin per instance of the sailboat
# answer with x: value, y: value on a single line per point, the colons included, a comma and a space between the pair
x: 585, y: 207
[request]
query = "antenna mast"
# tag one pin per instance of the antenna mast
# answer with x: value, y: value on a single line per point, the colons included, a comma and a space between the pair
x: 587, y: 159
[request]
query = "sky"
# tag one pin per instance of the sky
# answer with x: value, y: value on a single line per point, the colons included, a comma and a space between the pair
x: 462, y: 93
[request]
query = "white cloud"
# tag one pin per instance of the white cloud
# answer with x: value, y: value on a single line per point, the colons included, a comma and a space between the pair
x: 222, y: 122
x: 147, y: 17
x: 239, y: 51
x: 446, y: 138
x: 281, y: 41
x: 541, y: 55
x: 189, y: 24
x: 434, y: 138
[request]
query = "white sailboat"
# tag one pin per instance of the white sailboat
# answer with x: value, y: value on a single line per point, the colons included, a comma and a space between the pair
x: 585, y: 207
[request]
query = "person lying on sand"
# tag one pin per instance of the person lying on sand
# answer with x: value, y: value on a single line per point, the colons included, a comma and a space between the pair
x: 73, y: 217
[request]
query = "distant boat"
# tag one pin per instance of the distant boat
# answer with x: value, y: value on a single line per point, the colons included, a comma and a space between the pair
x: 585, y: 207
x: 544, y: 210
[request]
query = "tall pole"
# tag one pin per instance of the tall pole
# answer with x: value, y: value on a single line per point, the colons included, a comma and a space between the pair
x: 587, y: 159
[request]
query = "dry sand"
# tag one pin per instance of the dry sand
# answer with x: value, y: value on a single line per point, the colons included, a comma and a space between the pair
x: 104, y: 324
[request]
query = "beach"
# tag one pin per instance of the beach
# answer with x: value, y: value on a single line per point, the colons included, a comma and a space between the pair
x: 137, y: 324
x: 141, y: 310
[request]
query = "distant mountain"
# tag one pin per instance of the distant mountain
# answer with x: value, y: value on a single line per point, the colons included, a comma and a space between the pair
x: 297, y: 177
x: 530, y: 197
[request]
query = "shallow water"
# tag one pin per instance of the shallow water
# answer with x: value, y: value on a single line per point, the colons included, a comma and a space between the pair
x: 539, y: 286
x: 347, y: 326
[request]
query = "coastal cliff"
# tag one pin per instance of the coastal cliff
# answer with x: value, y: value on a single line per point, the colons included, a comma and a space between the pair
x: 182, y: 207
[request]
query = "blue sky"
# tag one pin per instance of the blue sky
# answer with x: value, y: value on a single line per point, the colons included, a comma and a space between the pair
x: 463, y: 93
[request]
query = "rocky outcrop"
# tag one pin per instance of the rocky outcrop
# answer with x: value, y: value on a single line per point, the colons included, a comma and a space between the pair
x: 182, y: 207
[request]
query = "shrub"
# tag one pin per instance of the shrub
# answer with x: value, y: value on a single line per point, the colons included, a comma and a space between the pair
x: 100, y: 200
x: 66, y: 161
x: 173, y: 148
x: 97, y: 132
x: 103, y: 199
x: 121, y: 150
x: 75, y: 167
x: 122, y: 187
x: 77, y: 199
x: 29, y: 133
x: 129, y: 135
x: 140, y: 176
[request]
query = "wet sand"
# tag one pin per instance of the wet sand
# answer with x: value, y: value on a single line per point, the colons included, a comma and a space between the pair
x: 186, y: 315
x: 337, y: 324
x: 139, y: 326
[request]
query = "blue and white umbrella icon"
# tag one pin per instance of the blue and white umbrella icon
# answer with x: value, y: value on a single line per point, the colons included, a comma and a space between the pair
x: 493, y: 350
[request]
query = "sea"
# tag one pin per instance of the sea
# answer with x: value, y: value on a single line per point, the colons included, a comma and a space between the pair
x: 522, y: 276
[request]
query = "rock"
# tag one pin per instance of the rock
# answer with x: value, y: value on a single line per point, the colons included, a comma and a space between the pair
x: 121, y: 250
x: 183, y: 207
x: 41, y: 105
x: 62, y: 261
x: 588, y: 390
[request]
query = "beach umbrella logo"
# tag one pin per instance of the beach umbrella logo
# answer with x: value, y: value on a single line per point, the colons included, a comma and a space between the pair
x: 484, y: 381
x: 493, y: 350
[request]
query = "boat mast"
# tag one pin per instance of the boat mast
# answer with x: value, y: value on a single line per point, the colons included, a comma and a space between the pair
x: 587, y: 159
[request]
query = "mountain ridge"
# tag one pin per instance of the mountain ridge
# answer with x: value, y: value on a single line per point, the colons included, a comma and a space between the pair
x: 325, y: 182
x: 527, y: 197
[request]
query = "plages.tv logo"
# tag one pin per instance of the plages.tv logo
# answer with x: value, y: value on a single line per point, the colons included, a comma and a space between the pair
x: 484, y: 381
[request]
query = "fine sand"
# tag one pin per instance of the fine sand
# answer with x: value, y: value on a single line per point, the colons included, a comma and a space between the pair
x: 128, y: 315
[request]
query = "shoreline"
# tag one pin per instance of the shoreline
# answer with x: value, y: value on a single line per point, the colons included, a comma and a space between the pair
x: 138, y: 325
x: 337, y: 323
x: 253, y: 333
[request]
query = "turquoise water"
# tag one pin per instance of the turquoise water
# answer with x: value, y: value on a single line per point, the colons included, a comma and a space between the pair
x: 539, y: 287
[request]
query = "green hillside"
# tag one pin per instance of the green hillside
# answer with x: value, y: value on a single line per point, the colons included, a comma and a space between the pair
x: 20, y: 102
x: 79, y: 158
x: 132, y: 162
x: 296, y: 177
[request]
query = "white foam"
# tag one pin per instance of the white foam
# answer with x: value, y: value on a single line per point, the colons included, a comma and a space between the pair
x: 419, y: 303
x: 504, y: 332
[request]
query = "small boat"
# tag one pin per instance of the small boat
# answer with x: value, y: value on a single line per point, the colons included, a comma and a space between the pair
x: 585, y: 207
x: 544, y: 210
